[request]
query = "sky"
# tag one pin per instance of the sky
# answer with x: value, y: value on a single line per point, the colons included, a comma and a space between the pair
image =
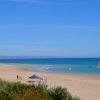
x: 55, y: 28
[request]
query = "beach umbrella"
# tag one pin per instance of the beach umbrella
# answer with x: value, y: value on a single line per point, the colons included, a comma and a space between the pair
x: 35, y: 77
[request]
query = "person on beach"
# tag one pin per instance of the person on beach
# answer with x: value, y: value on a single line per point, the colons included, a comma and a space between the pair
x: 17, y: 76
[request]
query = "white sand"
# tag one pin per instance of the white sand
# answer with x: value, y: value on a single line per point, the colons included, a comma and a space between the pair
x: 87, y: 87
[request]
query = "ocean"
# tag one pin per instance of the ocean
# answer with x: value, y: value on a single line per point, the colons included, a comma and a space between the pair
x: 61, y: 65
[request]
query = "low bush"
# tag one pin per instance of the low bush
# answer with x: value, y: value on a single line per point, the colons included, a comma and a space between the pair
x: 20, y: 91
x: 59, y: 93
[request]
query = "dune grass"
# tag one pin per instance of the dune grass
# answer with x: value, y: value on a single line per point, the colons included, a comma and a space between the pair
x: 20, y: 91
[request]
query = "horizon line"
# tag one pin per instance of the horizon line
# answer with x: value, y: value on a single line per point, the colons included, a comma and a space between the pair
x: 30, y: 57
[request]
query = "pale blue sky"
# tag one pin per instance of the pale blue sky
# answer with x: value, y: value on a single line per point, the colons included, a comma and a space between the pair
x: 59, y: 28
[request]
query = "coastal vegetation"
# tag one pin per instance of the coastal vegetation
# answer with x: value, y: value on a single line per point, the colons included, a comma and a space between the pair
x: 21, y: 91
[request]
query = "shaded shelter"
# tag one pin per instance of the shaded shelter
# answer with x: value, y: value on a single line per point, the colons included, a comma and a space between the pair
x: 35, y: 77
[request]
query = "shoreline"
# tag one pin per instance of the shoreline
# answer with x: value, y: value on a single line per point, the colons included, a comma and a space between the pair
x: 87, y: 87
x: 25, y: 67
x: 37, y: 68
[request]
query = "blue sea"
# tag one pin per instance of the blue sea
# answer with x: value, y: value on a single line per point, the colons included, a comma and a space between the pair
x: 63, y: 65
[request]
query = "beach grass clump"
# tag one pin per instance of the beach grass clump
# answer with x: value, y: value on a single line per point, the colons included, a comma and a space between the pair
x: 21, y: 91
x: 42, y: 87
x: 59, y: 93
x: 33, y: 94
x: 3, y: 84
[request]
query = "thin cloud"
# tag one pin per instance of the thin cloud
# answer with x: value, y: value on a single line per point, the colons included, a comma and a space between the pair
x: 45, y: 28
x: 32, y: 1
x: 32, y: 48
x: 45, y: 2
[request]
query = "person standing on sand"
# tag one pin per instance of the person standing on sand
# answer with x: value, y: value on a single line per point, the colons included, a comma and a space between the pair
x: 17, y: 76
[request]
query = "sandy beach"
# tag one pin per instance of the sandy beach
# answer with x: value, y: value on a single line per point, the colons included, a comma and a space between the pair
x: 87, y: 87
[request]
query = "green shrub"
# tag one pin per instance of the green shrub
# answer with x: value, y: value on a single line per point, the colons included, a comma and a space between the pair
x: 42, y: 87
x: 3, y: 84
x: 20, y: 91
x: 13, y: 89
x: 59, y: 93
